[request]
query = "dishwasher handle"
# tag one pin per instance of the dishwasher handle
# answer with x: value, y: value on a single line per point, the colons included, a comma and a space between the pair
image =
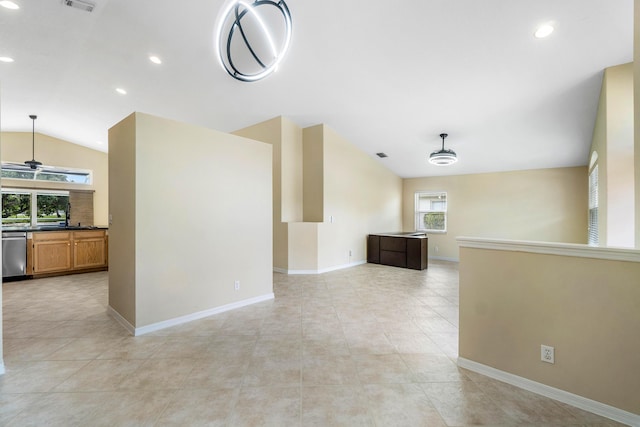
x: 13, y: 236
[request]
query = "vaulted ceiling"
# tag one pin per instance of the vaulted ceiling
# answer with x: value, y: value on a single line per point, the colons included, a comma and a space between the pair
x: 388, y: 76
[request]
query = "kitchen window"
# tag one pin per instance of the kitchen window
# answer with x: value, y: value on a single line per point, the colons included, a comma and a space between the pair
x: 431, y: 211
x: 34, y: 207
x: 46, y: 173
x: 16, y: 208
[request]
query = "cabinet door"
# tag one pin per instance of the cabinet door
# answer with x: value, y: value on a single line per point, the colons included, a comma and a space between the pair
x: 51, y: 255
x: 393, y: 258
x: 396, y: 244
x: 417, y: 254
x: 89, y: 253
x: 373, y: 249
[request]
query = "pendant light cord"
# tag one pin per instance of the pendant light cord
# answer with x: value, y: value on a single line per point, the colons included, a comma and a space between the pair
x: 33, y: 118
x: 443, y: 136
x: 33, y: 138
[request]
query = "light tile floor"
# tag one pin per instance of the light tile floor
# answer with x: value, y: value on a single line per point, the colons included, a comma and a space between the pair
x: 369, y: 345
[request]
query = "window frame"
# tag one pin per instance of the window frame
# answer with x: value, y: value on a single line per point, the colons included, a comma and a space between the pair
x: 37, y: 174
x: 419, y: 227
x: 34, y: 193
x: 24, y: 192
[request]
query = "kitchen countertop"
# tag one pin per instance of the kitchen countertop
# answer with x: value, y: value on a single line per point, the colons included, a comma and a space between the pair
x: 408, y: 234
x: 54, y: 228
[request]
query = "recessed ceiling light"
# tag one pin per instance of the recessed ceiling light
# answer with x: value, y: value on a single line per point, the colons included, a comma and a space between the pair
x: 121, y: 91
x: 543, y: 31
x: 155, y: 59
x: 99, y: 142
x: 9, y: 4
x: 5, y: 59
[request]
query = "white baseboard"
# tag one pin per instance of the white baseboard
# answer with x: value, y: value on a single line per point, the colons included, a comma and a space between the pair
x: 584, y: 403
x: 444, y: 258
x: 124, y: 322
x: 320, y: 271
x: 187, y: 318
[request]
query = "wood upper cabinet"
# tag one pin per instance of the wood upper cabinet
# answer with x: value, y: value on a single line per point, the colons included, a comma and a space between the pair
x: 89, y: 249
x: 51, y: 252
x: 61, y: 251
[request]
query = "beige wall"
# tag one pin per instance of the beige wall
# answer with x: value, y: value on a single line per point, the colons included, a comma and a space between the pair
x: 203, y: 217
x: 586, y: 308
x: 16, y: 147
x: 543, y: 205
x: 613, y: 140
x: 360, y: 197
x: 303, y: 246
x: 636, y: 74
x: 122, y: 230
x: 286, y: 141
x: 291, y: 171
x: 335, y: 181
x: 313, y: 161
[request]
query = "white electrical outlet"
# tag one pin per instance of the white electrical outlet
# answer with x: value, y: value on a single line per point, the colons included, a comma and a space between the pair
x: 237, y: 285
x: 437, y: 249
x: 547, y: 354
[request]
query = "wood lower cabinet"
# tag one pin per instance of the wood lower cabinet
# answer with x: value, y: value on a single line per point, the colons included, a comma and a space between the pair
x: 401, y: 250
x: 63, y: 252
x: 89, y: 249
x: 51, y: 252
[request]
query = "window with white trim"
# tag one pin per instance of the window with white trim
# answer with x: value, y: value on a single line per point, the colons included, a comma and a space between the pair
x: 593, y: 207
x: 30, y: 207
x: 431, y: 211
x: 46, y: 173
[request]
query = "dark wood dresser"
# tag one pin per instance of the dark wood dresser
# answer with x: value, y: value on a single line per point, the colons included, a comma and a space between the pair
x: 407, y: 250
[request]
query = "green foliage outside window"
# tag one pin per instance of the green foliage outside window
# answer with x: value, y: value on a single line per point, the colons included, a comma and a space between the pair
x: 41, y: 176
x: 431, y: 211
x: 46, y: 173
x: 52, y: 207
x: 17, y: 174
x: 433, y: 221
x: 16, y: 208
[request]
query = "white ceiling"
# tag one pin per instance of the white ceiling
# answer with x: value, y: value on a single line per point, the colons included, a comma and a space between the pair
x: 388, y: 76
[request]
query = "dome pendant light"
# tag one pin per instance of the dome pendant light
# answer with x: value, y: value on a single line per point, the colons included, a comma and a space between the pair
x: 33, y: 163
x: 443, y: 157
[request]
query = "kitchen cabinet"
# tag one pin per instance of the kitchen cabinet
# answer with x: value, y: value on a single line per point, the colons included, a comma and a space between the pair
x: 64, y: 252
x: 89, y: 249
x: 406, y: 250
x: 51, y: 252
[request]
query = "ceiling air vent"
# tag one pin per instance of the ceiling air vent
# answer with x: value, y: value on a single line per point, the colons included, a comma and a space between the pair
x: 381, y: 155
x: 79, y: 4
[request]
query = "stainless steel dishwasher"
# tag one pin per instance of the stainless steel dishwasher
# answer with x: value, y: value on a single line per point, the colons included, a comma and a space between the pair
x: 14, y: 253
